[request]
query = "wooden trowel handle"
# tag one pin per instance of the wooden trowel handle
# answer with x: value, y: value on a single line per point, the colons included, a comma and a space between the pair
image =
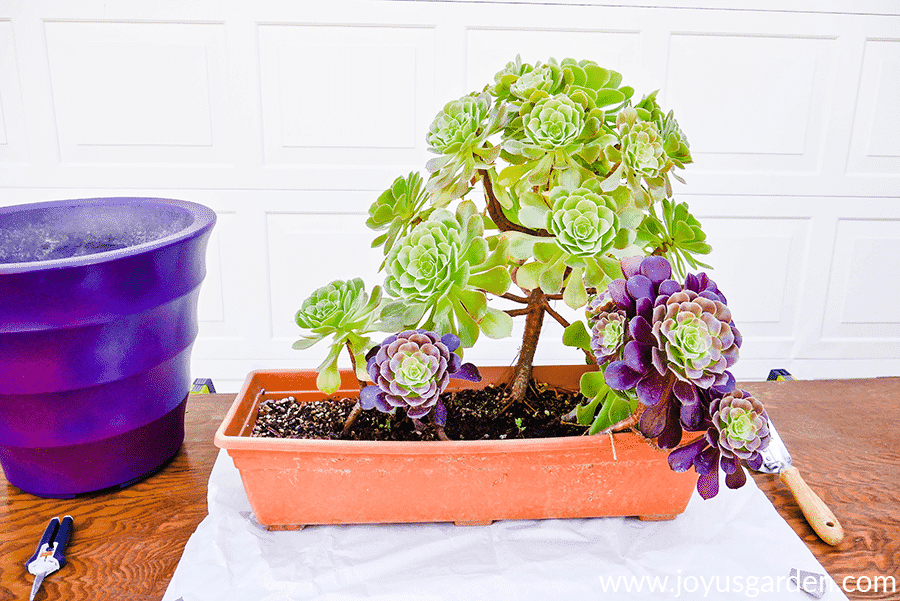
x: 816, y: 511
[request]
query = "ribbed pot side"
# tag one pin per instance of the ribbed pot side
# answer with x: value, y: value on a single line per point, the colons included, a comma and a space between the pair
x: 97, y: 320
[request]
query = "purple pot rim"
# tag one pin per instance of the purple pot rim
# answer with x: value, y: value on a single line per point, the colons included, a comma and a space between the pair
x: 204, y: 219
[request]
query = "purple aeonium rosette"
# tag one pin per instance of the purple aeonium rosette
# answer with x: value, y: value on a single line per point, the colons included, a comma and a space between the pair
x: 680, y: 340
x: 739, y: 429
x: 607, y: 328
x: 411, y: 370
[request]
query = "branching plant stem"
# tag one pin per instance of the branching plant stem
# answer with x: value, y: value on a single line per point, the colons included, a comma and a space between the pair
x: 533, y: 322
x: 562, y: 321
x: 496, y: 211
x: 514, y: 297
x: 536, y: 300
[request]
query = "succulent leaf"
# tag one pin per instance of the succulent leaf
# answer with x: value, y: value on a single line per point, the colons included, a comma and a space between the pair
x: 496, y: 324
x: 605, y: 406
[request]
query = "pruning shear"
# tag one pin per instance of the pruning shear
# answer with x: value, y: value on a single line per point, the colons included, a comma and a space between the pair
x: 49, y: 555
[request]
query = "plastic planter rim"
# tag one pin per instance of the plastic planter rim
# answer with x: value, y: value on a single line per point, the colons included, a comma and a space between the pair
x: 203, y: 218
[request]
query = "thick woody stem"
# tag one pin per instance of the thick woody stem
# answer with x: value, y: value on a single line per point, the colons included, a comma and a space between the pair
x: 625, y: 424
x: 351, y: 420
x: 439, y: 430
x: 535, y: 300
x: 533, y: 323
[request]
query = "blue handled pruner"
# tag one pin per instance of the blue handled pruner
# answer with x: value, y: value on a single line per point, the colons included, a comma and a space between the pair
x: 49, y: 555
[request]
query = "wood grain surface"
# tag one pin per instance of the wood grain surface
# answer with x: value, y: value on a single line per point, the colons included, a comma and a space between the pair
x: 843, y: 437
x: 126, y: 543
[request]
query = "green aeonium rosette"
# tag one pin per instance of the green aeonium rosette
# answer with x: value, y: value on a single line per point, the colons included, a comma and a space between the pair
x: 457, y: 126
x: 640, y: 158
x: 554, y: 122
x: 459, y: 133
x: 440, y: 272
x: 642, y: 149
x: 398, y: 209
x: 542, y: 79
x: 585, y: 225
x: 584, y: 222
x: 345, y: 312
x: 674, y: 141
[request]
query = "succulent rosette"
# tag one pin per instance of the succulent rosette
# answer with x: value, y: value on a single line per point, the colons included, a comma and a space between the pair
x: 439, y: 273
x: 398, y: 209
x: 345, y: 312
x: 457, y: 126
x: 554, y: 122
x: 585, y: 225
x: 410, y: 370
x: 606, y: 328
x: 674, y: 141
x: 678, y: 347
x: 742, y: 424
x: 584, y: 222
x: 642, y: 149
x: 459, y: 133
x: 427, y: 261
x: 608, y: 335
x: 641, y: 158
x: 695, y: 333
x: 738, y: 429
x: 507, y: 76
x: 542, y: 79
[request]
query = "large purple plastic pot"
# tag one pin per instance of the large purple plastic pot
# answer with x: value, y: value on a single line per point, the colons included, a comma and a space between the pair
x: 98, y: 313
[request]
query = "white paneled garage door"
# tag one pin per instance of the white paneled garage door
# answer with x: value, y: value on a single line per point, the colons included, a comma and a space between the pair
x: 289, y: 118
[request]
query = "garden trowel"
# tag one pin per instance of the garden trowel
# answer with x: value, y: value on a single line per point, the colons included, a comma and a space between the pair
x: 777, y: 460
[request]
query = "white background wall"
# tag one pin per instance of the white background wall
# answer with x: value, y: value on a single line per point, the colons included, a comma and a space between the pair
x: 289, y: 118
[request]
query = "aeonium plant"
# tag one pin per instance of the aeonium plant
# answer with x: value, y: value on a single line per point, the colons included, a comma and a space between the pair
x: 552, y: 184
x: 664, y: 347
x: 410, y: 370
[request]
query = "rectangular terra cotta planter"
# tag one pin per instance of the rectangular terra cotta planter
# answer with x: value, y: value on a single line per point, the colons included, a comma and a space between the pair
x: 295, y: 482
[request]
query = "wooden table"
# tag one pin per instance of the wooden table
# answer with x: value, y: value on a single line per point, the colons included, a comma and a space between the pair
x: 127, y: 542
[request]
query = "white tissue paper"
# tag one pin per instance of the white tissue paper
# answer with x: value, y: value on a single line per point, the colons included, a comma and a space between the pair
x: 734, y: 546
